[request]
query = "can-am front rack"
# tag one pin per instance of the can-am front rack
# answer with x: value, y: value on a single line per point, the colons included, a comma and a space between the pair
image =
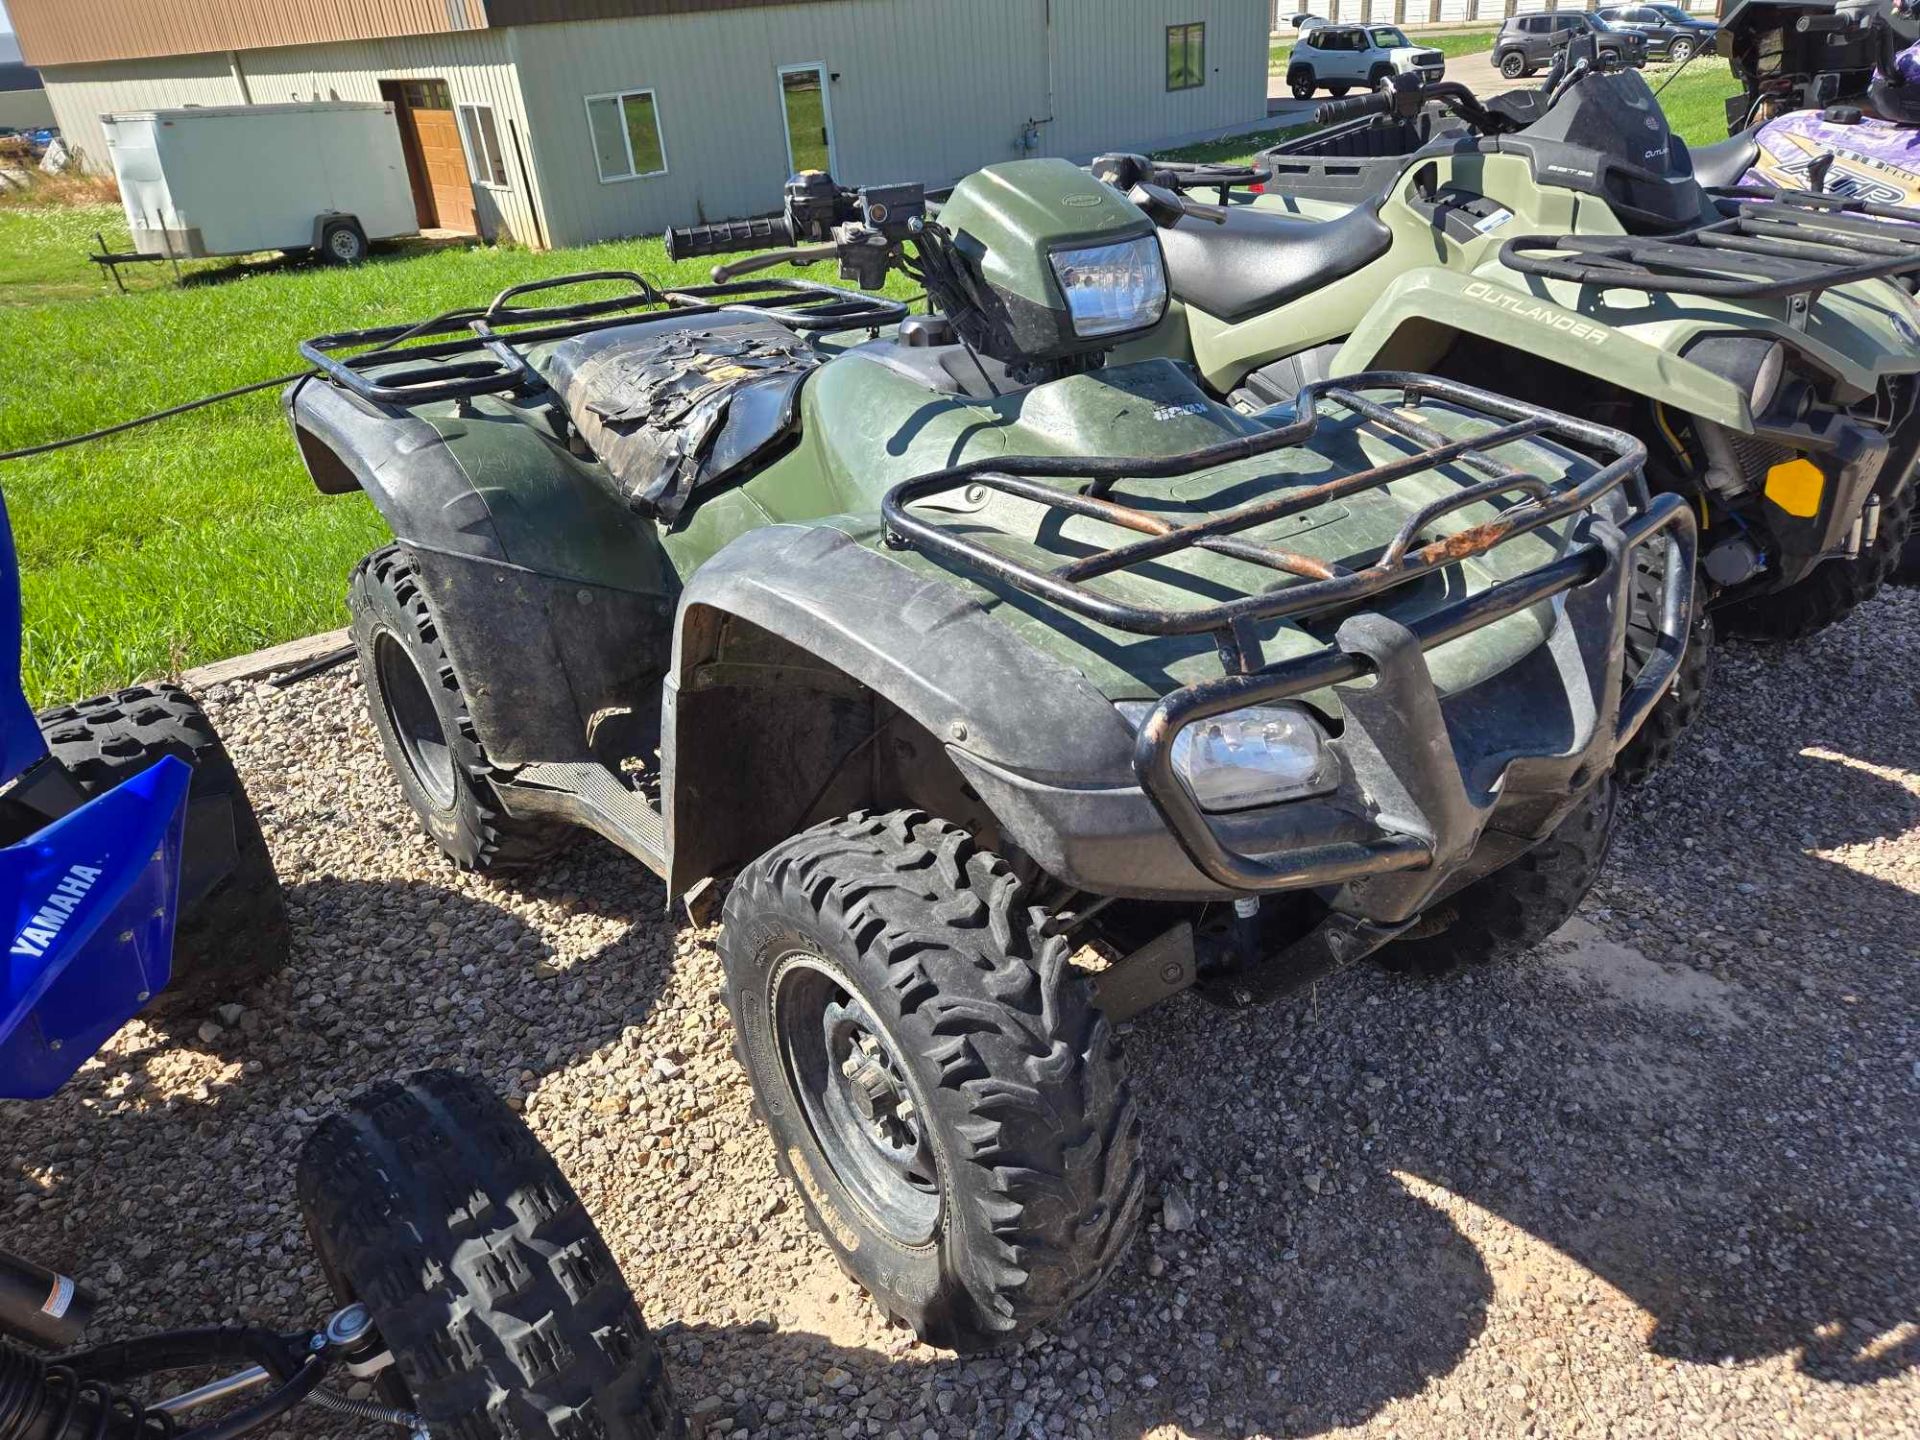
x: 1526, y: 502
x: 491, y: 334
x: 1770, y: 245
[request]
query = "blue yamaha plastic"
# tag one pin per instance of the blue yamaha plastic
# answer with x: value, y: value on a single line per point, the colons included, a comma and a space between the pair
x: 88, y: 906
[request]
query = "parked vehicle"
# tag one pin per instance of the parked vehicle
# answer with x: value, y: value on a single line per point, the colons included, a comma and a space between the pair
x: 131, y: 861
x: 326, y: 177
x: 1527, y: 43
x: 1829, y: 100
x: 1671, y: 33
x: 1341, y: 57
x: 1763, y: 348
x: 958, y: 647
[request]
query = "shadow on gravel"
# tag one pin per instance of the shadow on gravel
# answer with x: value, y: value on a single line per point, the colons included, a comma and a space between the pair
x: 348, y: 1011
x: 1727, y: 1153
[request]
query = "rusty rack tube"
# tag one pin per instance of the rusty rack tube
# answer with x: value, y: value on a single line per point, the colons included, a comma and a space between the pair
x: 1326, y: 586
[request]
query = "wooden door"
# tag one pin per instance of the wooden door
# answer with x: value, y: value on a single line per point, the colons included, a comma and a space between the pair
x: 436, y: 163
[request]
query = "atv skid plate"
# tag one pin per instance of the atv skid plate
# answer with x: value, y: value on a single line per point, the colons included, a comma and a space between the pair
x: 1430, y: 814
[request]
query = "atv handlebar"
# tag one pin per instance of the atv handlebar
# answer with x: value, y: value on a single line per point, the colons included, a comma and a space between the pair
x: 728, y: 237
x: 1336, y: 112
x: 1405, y: 95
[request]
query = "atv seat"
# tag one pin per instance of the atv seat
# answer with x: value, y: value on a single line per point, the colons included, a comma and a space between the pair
x: 1727, y: 162
x: 674, y: 405
x: 1259, y: 259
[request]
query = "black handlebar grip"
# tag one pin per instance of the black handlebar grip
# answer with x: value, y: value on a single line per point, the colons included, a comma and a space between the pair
x: 1374, y: 102
x: 1815, y: 24
x: 728, y: 237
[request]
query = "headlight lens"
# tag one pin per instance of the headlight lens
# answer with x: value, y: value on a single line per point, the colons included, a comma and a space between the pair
x: 1247, y: 758
x: 1111, y: 289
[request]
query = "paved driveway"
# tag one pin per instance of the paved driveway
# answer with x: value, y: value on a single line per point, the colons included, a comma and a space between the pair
x: 1476, y: 72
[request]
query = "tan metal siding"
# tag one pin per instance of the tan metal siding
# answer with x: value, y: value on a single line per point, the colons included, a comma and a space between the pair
x: 927, y: 90
x: 1110, y: 72
x: 476, y: 68
x: 65, y: 32
x: 544, y: 12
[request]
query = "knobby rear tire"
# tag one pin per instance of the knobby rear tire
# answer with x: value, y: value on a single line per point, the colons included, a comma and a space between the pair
x: 430, y: 1202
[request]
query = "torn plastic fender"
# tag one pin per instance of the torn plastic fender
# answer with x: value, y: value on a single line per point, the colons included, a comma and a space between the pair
x: 89, y: 906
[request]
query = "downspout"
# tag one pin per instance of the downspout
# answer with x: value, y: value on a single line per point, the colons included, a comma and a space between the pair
x: 1030, y: 133
x: 239, y: 77
x: 527, y: 173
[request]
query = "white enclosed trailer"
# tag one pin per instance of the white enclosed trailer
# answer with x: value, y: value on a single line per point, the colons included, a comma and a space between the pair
x: 232, y: 179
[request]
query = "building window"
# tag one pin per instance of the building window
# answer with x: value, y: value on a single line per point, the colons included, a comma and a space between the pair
x: 626, y: 135
x: 1186, y: 56
x: 485, y: 163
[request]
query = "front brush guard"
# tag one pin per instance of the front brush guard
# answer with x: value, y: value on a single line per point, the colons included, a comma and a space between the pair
x: 1438, y: 813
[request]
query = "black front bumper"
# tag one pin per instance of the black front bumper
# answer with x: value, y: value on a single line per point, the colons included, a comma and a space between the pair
x: 1435, y: 791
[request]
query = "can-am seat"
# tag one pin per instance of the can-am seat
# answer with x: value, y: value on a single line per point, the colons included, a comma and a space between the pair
x: 1260, y: 259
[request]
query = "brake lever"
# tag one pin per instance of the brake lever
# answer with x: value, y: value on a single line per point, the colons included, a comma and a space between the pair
x: 800, y: 255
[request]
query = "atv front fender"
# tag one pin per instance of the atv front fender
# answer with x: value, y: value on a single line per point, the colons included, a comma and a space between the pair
x: 1418, y: 315
x: 917, y: 642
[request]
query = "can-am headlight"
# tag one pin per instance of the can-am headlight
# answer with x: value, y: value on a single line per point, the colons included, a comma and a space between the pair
x: 1246, y: 758
x: 1112, y: 289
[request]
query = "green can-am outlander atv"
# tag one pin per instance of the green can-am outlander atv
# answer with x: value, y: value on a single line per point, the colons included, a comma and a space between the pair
x: 1561, y: 246
x: 979, y: 665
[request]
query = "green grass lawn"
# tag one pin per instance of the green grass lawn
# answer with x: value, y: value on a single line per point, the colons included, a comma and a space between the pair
x: 201, y: 537
x: 1695, y: 98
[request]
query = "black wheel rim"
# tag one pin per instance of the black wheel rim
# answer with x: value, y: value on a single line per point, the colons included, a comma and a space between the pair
x: 414, y: 721
x: 844, y: 1069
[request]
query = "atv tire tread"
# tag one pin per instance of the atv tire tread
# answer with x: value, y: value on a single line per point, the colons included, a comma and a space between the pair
x: 1659, y: 735
x: 238, y: 931
x: 1833, y: 590
x: 524, y: 1328
x: 385, y: 588
x: 1519, y: 905
x: 1049, y: 1184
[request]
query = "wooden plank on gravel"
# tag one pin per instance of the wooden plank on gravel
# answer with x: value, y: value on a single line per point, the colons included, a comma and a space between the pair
x: 262, y: 663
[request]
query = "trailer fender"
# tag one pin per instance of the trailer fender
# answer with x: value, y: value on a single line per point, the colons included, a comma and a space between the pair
x: 848, y: 626
x: 1420, y: 312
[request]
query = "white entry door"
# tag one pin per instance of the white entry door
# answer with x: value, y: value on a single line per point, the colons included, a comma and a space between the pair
x: 807, y: 109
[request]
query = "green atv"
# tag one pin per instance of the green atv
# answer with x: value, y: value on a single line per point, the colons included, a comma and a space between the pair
x: 1012, y: 689
x: 1559, y: 246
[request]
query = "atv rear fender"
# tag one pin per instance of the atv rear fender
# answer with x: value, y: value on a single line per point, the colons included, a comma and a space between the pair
x: 546, y: 615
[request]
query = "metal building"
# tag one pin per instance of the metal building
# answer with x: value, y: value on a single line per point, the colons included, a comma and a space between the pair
x: 557, y: 122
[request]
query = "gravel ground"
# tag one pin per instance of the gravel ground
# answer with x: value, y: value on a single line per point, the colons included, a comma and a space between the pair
x: 1656, y: 1180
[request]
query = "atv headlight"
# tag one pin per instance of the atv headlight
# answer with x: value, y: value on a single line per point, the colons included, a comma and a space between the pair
x: 1246, y: 758
x: 1112, y: 289
x: 1753, y: 364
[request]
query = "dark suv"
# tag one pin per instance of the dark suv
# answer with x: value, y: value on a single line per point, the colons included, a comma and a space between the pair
x: 1528, y: 42
x: 1670, y: 32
